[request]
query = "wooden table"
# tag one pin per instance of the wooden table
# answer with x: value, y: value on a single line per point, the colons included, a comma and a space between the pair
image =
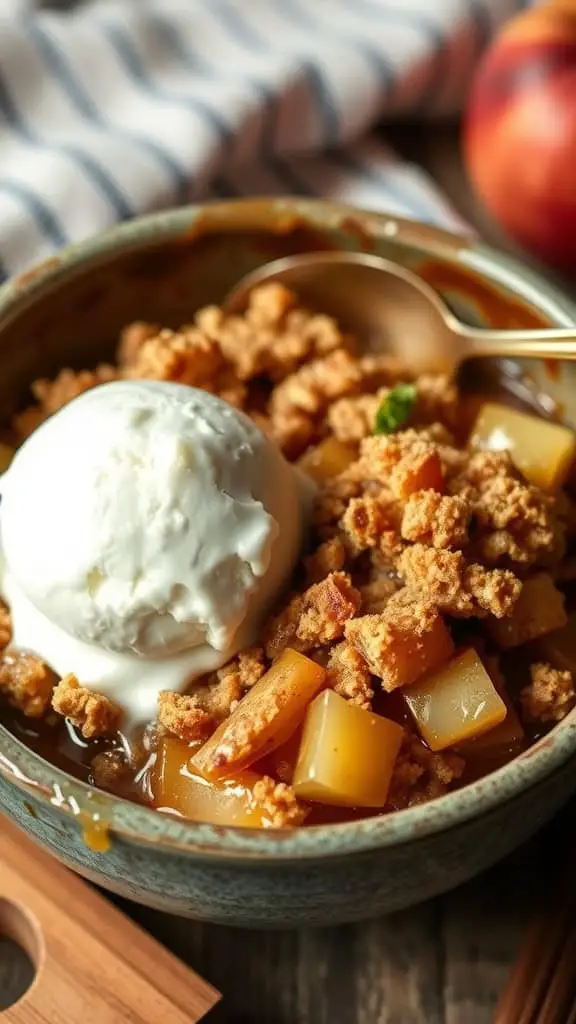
x: 441, y: 963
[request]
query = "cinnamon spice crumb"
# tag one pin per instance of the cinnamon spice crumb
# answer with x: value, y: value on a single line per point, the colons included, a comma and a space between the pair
x: 132, y: 338
x: 330, y: 556
x: 314, y: 618
x: 180, y: 715
x: 108, y: 768
x: 420, y: 775
x: 436, y: 519
x: 407, y: 639
x: 348, y: 675
x: 550, y: 696
x: 26, y: 682
x: 92, y: 713
x: 243, y: 672
x: 458, y: 589
x: 5, y: 625
x: 365, y: 521
x: 187, y: 356
x: 279, y: 803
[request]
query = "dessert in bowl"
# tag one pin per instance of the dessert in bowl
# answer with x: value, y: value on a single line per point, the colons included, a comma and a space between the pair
x: 306, y: 611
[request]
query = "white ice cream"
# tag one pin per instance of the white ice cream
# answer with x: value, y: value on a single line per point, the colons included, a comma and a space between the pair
x: 146, y: 528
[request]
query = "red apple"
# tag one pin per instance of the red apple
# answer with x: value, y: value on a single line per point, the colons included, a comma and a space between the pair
x: 520, y: 131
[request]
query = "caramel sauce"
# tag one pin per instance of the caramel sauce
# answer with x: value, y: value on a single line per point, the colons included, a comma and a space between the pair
x: 499, y: 309
x: 57, y: 742
x: 95, y: 832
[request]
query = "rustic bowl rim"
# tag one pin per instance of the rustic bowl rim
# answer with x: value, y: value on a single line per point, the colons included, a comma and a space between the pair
x: 41, y: 781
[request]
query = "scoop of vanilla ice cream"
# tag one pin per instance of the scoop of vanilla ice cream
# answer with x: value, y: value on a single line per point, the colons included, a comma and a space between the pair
x: 146, y: 528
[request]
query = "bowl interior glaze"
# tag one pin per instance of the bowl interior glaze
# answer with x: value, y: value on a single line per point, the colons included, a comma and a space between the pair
x: 69, y: 310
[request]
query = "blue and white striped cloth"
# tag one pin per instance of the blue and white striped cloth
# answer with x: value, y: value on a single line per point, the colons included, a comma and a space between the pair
x: 111, y: 108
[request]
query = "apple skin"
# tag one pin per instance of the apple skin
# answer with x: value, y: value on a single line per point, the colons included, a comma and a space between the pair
x: 520, y: 132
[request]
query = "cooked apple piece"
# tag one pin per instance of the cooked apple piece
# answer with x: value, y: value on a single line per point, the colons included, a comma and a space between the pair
x: 559, y: 648
x: 541, y: 450
x: 347, y: 754
x: 264, y: 719
x: 538, y: 610
x: 329, y: 458
x: 175, y: 787
x: 458, y: 702
x: 509, y: 733
x: 7, y: 453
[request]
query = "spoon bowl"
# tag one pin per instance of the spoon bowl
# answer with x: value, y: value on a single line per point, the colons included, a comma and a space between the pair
x: 393, y: 310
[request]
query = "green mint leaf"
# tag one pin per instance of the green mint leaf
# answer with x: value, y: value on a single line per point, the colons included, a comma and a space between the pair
x: 395, y: 408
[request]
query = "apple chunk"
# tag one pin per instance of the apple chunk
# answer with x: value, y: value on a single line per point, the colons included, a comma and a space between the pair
x: 457, y: 702
x: 264, y: 719
x: 176, y: 788
x: 346, y: 755
x: 542, y: 451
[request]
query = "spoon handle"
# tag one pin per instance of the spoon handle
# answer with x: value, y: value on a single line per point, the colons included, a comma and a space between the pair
x: 553, y: 343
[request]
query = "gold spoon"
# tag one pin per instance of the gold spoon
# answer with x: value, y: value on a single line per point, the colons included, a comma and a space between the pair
x: 392, y: 309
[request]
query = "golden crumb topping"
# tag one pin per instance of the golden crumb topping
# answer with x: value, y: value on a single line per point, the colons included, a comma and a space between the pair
x: 279, y: 803
x: 5, y: 626
x: 550, y: 696
x: 405, y: 640
x: 92, y: 713
x: 27, y: 682
x: 420, y: 775
x: 180, y: 715
x: 436, y: 519
x: 348, y: 674
x: 316, y: 617
x: 330, y: 556
x: 457, y: 588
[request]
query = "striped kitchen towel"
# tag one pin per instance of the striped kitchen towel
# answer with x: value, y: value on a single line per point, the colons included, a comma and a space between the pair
x: 111, y: 108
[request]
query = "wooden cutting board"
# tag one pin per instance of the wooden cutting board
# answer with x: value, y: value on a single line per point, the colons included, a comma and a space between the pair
x: 92, y: 963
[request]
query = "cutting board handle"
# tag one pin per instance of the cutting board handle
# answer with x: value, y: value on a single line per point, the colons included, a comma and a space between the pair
x: 92, y: 962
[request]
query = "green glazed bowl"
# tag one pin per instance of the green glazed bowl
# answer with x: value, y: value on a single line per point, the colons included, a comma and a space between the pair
x: 68, y: 311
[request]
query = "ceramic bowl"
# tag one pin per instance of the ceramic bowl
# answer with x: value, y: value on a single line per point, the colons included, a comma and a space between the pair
x: 161, y: 268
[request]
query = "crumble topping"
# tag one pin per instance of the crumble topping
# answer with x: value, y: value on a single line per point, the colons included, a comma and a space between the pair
x: 456, y: 588
x: 435, y: 519
x: 420, y: 775
x: 550, y: 696
x: 405, y: 640
x: 26, y: 682
x: 348, y: 674
x: 329, y: 557
x: 5, y: 626
x: 92, y: 713
x: 316, y: 617
x: 279, y: 803
x: 180, y: 715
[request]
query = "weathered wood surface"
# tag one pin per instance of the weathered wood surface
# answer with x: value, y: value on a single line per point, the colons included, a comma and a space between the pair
x: 441, y: 963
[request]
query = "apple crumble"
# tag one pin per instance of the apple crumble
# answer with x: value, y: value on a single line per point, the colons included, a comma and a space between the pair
x: 426, y: 637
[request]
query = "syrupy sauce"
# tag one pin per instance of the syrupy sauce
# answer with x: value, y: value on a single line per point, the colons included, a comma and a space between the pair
x: 494, y: 307
x: 57, y: 742
x: 54, y: 740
